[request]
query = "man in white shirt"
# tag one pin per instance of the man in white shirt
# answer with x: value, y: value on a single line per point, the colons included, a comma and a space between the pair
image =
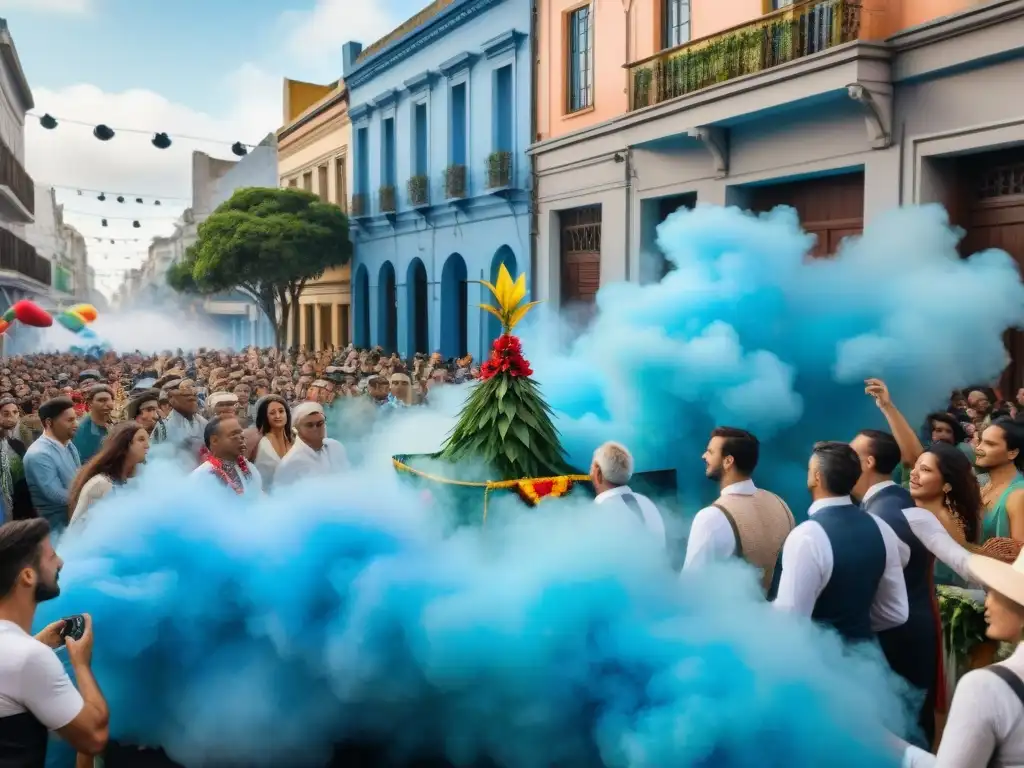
x: 745, y: 520
x: 842, y: 566
x: 313, y: 454
x: 610, y: 472
x: 36, y: 694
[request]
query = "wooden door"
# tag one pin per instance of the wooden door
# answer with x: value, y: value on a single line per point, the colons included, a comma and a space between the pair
x: 581, y: 257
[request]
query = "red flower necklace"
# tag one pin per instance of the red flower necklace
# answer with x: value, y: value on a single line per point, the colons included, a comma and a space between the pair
x: 234, y: 483
x: 506, y: 357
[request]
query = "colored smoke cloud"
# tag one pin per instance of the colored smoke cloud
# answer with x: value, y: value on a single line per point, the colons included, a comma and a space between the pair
x: 341, y: 610
x: 747, y: 331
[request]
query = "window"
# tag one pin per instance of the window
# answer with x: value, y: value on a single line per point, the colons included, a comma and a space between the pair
x: 777, y: 4
x: 307, y: 181
x: 457, y: 150
x: 340, y: 184
x: 293, y: 183
x: 581, y: 59
x: 420, y: 134
x: 362, y: 161
x: 677, y: 22
x: 502, y: 111
x: 321, y: 183
x: 387, y: 155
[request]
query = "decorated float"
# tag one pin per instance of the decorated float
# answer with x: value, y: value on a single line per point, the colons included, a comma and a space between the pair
x: 504, y: 441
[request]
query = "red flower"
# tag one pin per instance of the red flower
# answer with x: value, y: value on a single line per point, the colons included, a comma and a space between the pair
x: 506, y: 357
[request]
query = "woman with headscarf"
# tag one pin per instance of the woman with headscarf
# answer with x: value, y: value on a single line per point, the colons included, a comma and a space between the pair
x: 313, y: 454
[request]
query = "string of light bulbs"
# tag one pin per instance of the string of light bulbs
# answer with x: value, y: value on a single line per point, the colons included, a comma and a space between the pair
x: 160, y: 140
x: 121, y: 197
x: 119, y: 218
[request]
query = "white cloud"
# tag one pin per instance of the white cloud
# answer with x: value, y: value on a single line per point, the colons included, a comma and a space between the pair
x: 317, y: 35
x: 70, y: 156
x: 45, y: 6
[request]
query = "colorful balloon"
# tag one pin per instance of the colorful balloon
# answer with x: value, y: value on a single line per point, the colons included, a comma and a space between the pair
x: 70, y: 321
x: 4, y: 325
x: 87, y: 312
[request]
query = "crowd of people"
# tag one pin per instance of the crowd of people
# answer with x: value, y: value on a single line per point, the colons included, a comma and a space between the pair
x: 893, y: 514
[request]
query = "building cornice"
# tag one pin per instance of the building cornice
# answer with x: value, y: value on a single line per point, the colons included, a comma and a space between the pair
x: 954, y: 25
x: 317, y: 110
x: 446, y: 21
x: 13, y: 65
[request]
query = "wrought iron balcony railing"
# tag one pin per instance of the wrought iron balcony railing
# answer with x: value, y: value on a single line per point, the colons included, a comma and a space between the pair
x: 18, y: 256
x: 13, y: 175
x: 799, y: 30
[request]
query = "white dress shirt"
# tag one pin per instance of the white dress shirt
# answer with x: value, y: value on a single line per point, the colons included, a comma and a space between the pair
x: 711, y: 536
x: 985, y: 719
x: 875, y: 489
x: 251, y: 485
x: 301, y: 462
x: 652, y: 517
x: 807, y: 563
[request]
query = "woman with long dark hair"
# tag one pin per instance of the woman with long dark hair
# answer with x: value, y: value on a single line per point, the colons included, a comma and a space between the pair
x: 273, y: 436
x: 120, y: 454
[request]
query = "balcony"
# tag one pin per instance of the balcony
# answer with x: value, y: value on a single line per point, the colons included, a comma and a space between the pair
x: 386, y: 198
x: 17, y: 191
x: 499, y: 170
x: 782, y: 36
x: 18, y: 256
x: 359, y: 207
x: 455, y: 182
x: 419, y: 191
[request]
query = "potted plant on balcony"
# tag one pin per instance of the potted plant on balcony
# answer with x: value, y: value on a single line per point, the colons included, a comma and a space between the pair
x: 387, y: 198
x: 359, y: 204
x: 455, y: 182
x: 418, y: 190
x: 499, y: 169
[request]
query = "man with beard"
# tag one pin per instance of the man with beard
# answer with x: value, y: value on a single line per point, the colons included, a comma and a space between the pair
x: 36, y: 694
x: 52, y: 462
x: 745, y: 521
x: 17, y: 502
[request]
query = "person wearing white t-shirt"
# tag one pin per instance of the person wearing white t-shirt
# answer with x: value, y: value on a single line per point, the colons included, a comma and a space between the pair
x: 36, y: 694
x: 610, y: 472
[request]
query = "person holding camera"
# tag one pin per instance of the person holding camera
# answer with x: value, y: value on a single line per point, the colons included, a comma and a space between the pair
x: 36, y: 694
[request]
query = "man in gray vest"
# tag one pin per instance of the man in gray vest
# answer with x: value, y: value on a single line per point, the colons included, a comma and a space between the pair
x: 842, y: 566
x: 610, y: 472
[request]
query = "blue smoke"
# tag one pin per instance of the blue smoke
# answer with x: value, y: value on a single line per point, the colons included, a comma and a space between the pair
x: 747, y: 331
x: 268, y: 632
x: 344, y: 610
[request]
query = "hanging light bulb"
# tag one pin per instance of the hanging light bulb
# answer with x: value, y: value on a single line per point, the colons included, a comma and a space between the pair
x: 103, y: 132
x: 101, y: 197
x: 136, y: 224
x: 120, y: 198
x: 239, y: 149
x: 48, y: 121
x: 161, y: 140
x: 138, y: 200
x: 79, y: 193
x: 103, y: 222
x: 156, y: 202
x: 111, y: 242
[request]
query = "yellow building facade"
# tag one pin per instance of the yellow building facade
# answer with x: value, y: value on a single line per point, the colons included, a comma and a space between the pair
x: 312, y: 154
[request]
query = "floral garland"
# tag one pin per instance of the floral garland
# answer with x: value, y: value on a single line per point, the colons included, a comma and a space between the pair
x: 533, y: 491
x: 506, y: 357
x: 218, y: 470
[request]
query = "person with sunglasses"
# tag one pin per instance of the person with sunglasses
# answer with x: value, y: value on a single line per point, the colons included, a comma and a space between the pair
x: 313, y: 454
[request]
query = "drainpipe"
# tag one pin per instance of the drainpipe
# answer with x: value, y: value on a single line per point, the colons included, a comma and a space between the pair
x: 534, y: 216
x: 627, y: 7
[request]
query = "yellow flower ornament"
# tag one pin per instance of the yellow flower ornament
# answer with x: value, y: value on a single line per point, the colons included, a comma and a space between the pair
x: 508, y: 296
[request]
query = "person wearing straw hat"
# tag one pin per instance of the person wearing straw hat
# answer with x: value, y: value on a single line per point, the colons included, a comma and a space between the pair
x: 985, y: 726
x: 313, y: 454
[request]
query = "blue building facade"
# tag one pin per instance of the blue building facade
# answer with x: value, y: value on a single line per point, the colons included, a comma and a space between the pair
x: 441, y: 116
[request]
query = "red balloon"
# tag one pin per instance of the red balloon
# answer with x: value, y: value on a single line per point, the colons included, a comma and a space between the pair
x: 4, y: 325
x: 32, y: 314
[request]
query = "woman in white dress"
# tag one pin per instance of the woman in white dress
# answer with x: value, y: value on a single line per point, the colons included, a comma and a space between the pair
x: 120, y: 454
x: 273, y: 437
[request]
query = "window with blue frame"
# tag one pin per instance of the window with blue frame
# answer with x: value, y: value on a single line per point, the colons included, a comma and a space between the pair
x: 387, y: 143
x: 362, y: 179
x: 420, y: 134
x: 581, y: 59
x: 457, y: 129
x: 676, y: 16
x: 503, y: 106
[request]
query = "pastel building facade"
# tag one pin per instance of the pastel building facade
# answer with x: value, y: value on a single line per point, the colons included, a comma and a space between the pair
x: 839, y: 108
x: 441, y: 119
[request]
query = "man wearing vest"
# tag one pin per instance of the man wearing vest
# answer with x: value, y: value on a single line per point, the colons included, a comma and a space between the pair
x: 36, y: 694
x: 912, y: 649
x: 842, y: 566
x: 746, y: 521
x: 610, y: 472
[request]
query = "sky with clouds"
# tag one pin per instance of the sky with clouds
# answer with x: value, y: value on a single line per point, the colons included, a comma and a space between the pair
x: 201, y: 68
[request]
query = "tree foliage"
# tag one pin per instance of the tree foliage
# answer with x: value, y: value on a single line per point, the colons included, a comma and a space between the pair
x: 266, y: 243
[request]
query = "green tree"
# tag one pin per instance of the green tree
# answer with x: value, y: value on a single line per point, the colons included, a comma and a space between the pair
x: 267, y: 243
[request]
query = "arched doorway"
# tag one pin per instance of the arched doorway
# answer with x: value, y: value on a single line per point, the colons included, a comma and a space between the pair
x: 361, y: 307
x: 418, y: 332
x: 454, y: 299
x: 504, y: 256
x: 387, y: 308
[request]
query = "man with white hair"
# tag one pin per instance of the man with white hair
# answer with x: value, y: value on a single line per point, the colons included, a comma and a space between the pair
x: 610, y: 472
x: 313, y: 454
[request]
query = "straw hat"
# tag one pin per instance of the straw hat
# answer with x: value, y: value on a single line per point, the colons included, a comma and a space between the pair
x: 1007, y: 580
